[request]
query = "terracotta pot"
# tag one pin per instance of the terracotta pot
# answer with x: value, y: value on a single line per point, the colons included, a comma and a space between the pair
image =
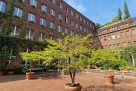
x: 67, y: 88
x: 1, y: 73
x: 29, y: 75
x: 109, y: 79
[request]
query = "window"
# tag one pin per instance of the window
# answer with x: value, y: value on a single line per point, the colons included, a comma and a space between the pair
x: 90, y: 32
x: 52, y: 25
x: 101, y: 38
x: 80, y: 18
x: 60, y: 5
x: 133, y: 32
x: 60, y: 16
x: 87, y: 31
x: 41, y: 36
x: 66, y: 19
x: 59, y: 39
x: 84, y: 21
x: 29, y: 34
x: 59, y: 28
x: 84, y: 29
x: 2, y: 6
x: 44, y: 8
x: 42, y: 22
x: 109, y: 38
x: 18, y: 12
x: 52, y: 12
x: 33, y: 3
x: 76, y: 15
x: 71, y: 12
x: 113, y: 36
x: 118, y: 36
x: 66, y: 9
x: 53, y: 1
x: 72, y: 22
x: 15, y: 30
x: 80, y: 27
x: 122, y: 34
x: 87, y: 23
x: 129, y: 44
x: 66, y: 31
x: 76, y: 25
x: 105, y: 38
x: 114, y: 45
x: 72, y: 33
x: 51, y: 37
x: 31, y: 17
x: 134, y: 43
x: 90, y: 25
x: 124, y: 44
x: 128, y: 33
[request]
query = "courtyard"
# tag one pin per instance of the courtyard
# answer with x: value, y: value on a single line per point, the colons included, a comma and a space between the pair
x: 91, y: 81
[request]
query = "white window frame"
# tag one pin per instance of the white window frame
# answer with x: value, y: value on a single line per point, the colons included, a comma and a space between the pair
x: 59, y: 28
x: 52, y: 25
x: 60, y: 5
x: 66, y: 31
x: 41, y: 36
x: 2, y: 9
x: 113, y: 36
x: 53, y: 1
x: 31, y: 16
x: 33, y: 2
x: 19, y: 12
x: 76, y: 25
x: 30, y: 34
x: 66, y: 19
x: 43, y: 21
x: 15, y: 31
x: 59, y: 16
x: 44, y: 7
x: 52, y: 12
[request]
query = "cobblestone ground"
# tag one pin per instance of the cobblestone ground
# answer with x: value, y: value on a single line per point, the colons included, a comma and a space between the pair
x: 89, y: 81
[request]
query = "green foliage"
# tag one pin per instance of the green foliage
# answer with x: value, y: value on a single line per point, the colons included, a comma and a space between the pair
x: 115, y: 19
x: 97, y: 26
x: 71, y: 53
x: 119, y: 14
x: 25, y: 68
x: 127, y: 15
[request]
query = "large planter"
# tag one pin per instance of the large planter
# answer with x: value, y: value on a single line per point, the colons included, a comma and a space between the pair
x: 1, y: 73
x: 29, y: 75
x: 109, y: 79
x: 68, y: 88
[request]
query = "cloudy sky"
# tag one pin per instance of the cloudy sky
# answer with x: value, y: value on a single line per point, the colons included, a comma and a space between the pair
x: 102, y: 11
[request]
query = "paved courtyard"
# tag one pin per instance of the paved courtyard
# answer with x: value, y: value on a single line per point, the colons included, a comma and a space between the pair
x: 89, y: 81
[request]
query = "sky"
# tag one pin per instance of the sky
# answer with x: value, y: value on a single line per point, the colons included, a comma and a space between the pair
x: 102, y: 11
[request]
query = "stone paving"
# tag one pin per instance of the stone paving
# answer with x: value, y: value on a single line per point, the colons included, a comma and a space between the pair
x: 89, y: 81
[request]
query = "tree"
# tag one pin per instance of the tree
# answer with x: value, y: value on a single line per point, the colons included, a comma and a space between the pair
x: 115, y: 19
x: 97, y: 25
x: 127, y: 15
x: 119, y: 14
x: 71, y: 53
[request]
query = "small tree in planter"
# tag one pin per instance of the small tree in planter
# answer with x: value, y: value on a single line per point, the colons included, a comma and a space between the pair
x: 107, y: 57
x: 29, y: 57
x: 71, y: 53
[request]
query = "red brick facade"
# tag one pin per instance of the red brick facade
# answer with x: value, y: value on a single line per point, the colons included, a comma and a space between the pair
x: 122, y: 33
x: 26, y: 7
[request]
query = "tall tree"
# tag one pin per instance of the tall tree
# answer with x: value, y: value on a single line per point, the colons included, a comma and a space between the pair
x: 119, y: 14
x: 127, y: 15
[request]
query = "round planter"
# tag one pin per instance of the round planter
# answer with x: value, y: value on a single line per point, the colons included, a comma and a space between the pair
x: 109, y: 79
x: 11, y: 72
x: 1, y: 73
x: 29, y: 75
x: 67, y: 88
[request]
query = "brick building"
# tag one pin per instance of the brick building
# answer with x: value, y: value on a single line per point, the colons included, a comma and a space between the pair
x: 42, y: 19
x: 122, y: 33
x: 47, y: 18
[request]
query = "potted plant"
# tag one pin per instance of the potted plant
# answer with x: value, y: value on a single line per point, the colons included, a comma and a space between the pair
x: 12, y: 66
x: 71, y: 53
x: 29, y: 57
x: 106, y: 57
